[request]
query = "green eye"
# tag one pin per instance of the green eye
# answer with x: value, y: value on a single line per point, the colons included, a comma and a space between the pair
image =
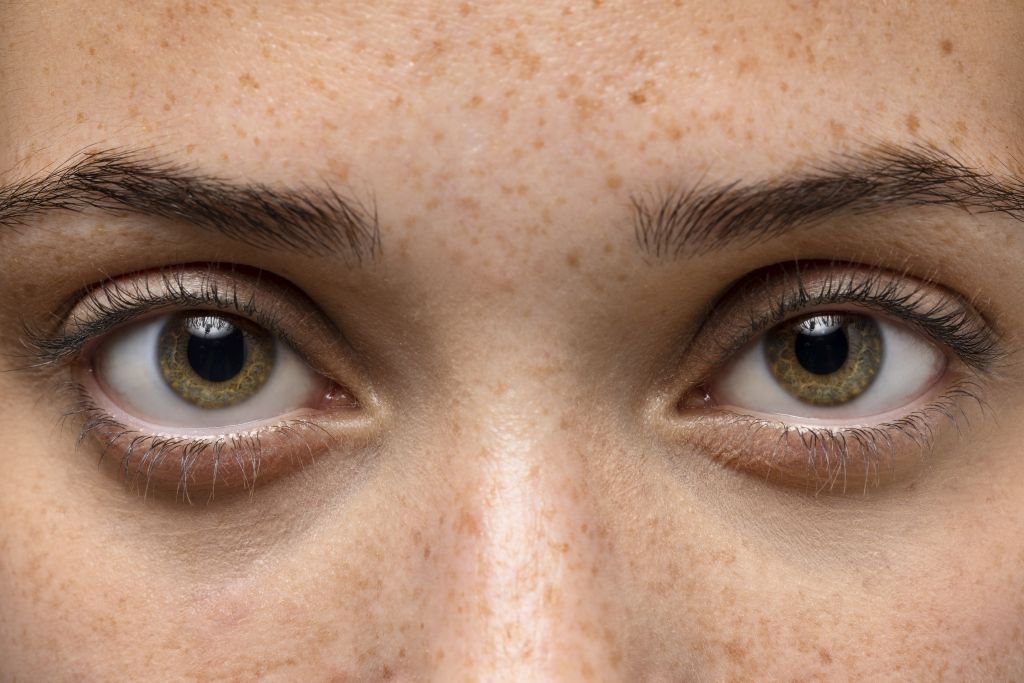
x: 825, y: 359
x: 214, y: 361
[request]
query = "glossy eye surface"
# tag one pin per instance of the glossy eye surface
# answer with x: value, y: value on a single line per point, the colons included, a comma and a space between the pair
x: 825, y: 360
x: 831, y: 366
x: 203, y: 370
x: 212, y: 361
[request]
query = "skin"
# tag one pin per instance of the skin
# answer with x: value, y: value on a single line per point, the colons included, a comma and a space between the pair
x: 519, y: 514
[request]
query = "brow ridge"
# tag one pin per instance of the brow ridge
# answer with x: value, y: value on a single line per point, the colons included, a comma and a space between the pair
x: 699, y: 219
x: 307, y: 219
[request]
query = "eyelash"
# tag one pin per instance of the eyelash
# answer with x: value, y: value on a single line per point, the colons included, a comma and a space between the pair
x: 125, y: 304
x: 945, y: 322
x: 145, y: 453
x: 831, y: 452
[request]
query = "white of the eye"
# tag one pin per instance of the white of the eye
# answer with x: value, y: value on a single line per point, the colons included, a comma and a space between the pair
x: 910, y: 365
x: 129, y: 369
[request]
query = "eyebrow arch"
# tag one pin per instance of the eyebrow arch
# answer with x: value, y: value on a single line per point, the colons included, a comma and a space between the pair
x: 305, y: 220
x: 698, y: 220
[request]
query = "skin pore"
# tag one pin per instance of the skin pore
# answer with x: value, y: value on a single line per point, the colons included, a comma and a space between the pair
x: 518, y: 497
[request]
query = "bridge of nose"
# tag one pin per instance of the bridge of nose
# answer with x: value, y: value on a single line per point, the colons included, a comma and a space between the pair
x: 529, y: 582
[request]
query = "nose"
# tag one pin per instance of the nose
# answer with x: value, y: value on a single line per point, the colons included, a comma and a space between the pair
x: 529, y: 591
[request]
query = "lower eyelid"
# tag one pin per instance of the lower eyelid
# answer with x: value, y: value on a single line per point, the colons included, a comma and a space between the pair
x: 192, y: 464
x: 192, y: 468
x: 830, y: 459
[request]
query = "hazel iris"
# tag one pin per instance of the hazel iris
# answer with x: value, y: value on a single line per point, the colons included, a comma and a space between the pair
x: 825, y: 359
x: 214, y: 361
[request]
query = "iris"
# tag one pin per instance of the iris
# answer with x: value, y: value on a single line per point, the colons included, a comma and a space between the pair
x: 214, y: 361
x: 825, y: 359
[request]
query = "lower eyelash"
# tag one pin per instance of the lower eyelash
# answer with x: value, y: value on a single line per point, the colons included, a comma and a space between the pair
x: 828, y: 459
x: 155, y: 464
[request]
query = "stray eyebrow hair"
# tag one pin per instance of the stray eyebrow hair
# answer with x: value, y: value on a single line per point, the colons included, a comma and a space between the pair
x: 305, y: 220
x: 698, y: 220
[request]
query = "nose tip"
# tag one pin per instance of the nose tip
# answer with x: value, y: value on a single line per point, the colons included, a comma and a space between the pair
x: 528, y: 591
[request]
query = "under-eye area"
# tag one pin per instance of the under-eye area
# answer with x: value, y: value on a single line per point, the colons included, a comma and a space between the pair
x: 835, y: 377
x: 194, y: 381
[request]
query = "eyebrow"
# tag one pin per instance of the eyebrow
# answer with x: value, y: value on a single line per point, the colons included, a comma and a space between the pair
x: 700, y: 219
x: 305, y: 220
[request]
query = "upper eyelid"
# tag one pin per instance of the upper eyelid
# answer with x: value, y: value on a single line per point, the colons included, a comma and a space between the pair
x: 757, y: 302
x: 125, y: 300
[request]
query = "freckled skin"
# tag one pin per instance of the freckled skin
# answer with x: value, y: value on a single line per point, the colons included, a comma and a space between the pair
x: 518, y: 519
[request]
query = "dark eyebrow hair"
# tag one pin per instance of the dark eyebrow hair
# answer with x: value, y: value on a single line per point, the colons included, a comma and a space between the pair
x: 698, y: 219
x: 306, y: 220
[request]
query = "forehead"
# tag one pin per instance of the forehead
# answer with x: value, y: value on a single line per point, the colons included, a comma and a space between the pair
x: 462, y: 104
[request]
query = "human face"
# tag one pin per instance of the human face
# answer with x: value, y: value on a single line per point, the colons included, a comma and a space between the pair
x: 529, y: 449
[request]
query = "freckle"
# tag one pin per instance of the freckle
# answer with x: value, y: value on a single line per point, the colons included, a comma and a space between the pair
x: 637, y: 97
x: 465, y: 9
x: 961, y: 127
x: 572, y: 259
x: 838, y: 130
x: 474, y: 102
x: 389, y: 59
x: 745, y: 65
x: 913, y: 123
x: 467, y: 523
x: 247, y: 81
x: 614, y: 181
x: 783, y: 86
x: 946, y: 45
x: 80, y: 117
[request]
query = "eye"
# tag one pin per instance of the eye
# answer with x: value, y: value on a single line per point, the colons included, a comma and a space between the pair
x: 836, y: 366
x: 203, y: 370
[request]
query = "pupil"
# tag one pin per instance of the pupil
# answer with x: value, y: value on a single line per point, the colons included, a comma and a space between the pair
x: 217, y: 357
x: 822, y: 354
